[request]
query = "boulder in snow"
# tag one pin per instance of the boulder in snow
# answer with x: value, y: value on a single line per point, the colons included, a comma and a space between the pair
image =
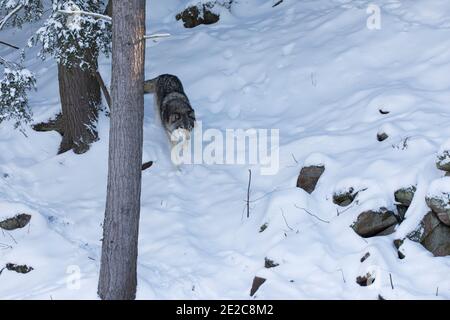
x: 404, y: 197
x: 17, y: 222
x: 443, y: 157
x: 202, y: 13
x: 18, y: 268
x: 345, y: 198
x: 372, y: 223
x: 309, y: 176
x: 433, y: 235
x: 438, y: 199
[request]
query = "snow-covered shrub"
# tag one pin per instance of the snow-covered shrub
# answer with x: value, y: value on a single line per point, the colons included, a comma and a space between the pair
x: 13, y: 95
x: 72, y: 38
x: 17, y: 12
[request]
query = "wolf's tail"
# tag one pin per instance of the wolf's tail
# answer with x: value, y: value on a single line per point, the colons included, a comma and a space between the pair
x: 149, y: 85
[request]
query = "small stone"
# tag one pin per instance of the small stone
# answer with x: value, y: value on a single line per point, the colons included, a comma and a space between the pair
x: 443, y: 161
x: 17, y: 222
x: 365, y: 281
x: 147, y: 165
x: 405, y: 196
x: 381, y: 136
x: 263, y: 227
x: 372, y: 223
x: 268, y: 263
x: 440, y: 206
x: 365, y: 257
x: 398, y: 243
x: 200, y: 14
x: 308, y: 177
x: 344, y: 199
x: 18, y: 268
x: 257, y: 283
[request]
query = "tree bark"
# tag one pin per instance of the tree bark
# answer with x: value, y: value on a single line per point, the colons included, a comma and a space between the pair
x: 118, y: 278
x: 80, y: 97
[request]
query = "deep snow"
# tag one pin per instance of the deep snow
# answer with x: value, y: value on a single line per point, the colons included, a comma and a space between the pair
x: 309, y: 68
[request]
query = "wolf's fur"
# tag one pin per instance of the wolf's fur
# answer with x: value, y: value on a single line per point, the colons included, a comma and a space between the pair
x: 172, y: 106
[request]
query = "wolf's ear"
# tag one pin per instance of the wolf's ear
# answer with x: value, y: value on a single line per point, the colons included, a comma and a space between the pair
x: 192, y: 114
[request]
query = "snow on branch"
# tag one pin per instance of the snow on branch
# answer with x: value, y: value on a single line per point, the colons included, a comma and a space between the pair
x: 86, y: 13
x: 9, y: 15
x: 108, y: 18
x: 157, y: 35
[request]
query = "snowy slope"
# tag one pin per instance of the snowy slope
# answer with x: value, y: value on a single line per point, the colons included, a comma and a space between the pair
x: 309, y: 68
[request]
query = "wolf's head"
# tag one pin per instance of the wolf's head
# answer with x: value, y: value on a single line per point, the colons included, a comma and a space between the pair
x: 179, y: 118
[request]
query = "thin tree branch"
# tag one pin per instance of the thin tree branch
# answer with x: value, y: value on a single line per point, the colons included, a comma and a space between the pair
x: 311, y: 214
x: 9, y: 15
x: 157, y: 35
x: 9, y: 45
x: 86, y: 13
x: 109, y: 19
x: 105, y: 91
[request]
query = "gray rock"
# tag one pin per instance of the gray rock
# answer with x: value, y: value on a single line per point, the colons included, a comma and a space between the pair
x: 438, y: 241
x: 345, y: 198
x: 433, y: 235
x: 202, y: 13
x: 405, y: 195
x: 443, y: 162
x: 17, y: 222
x: 257, y: 282
x: 398, y: 243
x: 309, y: 176
x: 440, y: 206
x: 372, y: 223
x: 269, y: 263
x: 381, y: 136
x: 18, y: 268
x: 388, y: 231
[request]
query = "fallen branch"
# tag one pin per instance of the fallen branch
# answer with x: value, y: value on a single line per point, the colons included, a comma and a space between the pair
x: 392, y: 284
x: 277, y: 3
x: 285, y: 221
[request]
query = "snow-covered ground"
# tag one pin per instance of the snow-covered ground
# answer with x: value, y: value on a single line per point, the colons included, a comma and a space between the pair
x: 310, y: 68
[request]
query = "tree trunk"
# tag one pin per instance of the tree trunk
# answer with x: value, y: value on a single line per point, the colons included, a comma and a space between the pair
x: 118, y: 278
x: 80, y: 97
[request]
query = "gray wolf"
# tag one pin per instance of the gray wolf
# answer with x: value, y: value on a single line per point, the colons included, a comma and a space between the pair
x: 172, y: 107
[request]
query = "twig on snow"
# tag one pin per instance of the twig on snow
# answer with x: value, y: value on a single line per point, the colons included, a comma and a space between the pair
x: 311, y: 214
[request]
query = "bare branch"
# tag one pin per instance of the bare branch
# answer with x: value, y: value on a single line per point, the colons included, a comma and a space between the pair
x: 157, y: 35
x: 9, y: 45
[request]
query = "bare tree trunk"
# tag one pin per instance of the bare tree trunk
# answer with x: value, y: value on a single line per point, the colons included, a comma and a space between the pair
x: 80, y: 98
x: 118, y: 277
